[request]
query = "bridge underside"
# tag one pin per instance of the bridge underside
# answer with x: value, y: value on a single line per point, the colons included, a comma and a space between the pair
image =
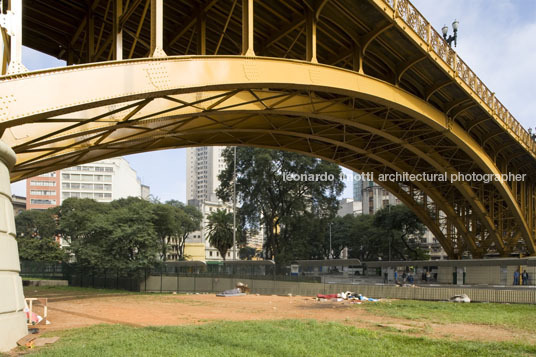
x: 399, y: 100
x: 359, y: 122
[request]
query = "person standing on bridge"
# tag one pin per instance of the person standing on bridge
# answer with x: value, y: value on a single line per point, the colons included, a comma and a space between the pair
x: 516, y: 277
x: 525, y: 277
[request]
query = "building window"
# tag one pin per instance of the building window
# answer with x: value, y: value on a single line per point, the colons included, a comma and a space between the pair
x: 66, y: 176
x: 50, y: 174
x: 42, y: 193
x: 210, y: 253
x: 87, y: 186
x: 87, y: 177
x: 75, y: 186
x: 43, y: 183
x: 35, y: 201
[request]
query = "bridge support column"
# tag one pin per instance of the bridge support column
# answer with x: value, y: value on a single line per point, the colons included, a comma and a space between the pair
x: 12, y: 316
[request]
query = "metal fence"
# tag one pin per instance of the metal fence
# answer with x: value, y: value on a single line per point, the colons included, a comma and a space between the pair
x: 81, y: 276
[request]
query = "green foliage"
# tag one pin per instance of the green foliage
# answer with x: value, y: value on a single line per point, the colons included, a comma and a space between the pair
x: 392, y: 232
x: 220, y: 234
x: 173, y: 221
x: 263, y: 338
x: 125, y: 234
x: 280, y: 205
x: 121, y: 237
x: 36, y: 236
x: 405, y: 227
x: 246, y: 253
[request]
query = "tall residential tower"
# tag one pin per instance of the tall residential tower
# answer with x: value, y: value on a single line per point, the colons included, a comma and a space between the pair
x: 203, y: 165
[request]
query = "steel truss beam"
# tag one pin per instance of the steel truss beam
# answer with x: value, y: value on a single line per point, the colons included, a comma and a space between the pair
x: 177, y: 102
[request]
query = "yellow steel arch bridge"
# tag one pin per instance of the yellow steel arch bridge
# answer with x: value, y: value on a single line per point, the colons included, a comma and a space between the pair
x: 367, y: 84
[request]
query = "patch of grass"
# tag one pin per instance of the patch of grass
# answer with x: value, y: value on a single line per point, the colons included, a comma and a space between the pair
x: 516, y: 316
x: 262, y: 338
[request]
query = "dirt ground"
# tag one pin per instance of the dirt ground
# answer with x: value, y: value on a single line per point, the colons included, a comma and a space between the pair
x: 79, y: 310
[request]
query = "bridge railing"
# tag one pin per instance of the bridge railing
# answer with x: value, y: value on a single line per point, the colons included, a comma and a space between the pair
x: 422, y: 28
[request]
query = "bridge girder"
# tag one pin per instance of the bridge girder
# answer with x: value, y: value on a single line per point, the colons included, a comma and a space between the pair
x: 152, y: 103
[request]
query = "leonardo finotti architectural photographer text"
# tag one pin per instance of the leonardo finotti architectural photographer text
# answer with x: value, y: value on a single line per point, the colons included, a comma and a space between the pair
x: 407, y: 177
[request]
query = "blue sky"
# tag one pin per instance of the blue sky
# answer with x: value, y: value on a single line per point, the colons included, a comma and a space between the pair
x: 496, y: 39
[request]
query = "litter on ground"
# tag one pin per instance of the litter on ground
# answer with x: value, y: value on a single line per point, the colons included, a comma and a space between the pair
x: 240, y: 290
x: 460, y: 298
x: 345, y: 296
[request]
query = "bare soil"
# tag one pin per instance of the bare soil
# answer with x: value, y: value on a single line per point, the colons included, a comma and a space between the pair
x: 67, y: 311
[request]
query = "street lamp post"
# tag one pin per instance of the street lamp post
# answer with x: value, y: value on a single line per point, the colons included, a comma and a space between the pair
x: 451, y: 38
x: 330, y: 255
x: 234, y: 206
x: 390, y: 235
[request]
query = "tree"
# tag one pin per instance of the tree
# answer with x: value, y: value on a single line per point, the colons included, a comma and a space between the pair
x: 173, y: 222
x: 246, y: 253
x: 368, y: 242
x: 117, y: 235
x: 165, y: 226
x: 76, y: 215
x: 402, y: 223
x: 36, y: 236
x: 269, y: 198
x: 342, y: 234
x: 220, y: 234
x: 189, y: 219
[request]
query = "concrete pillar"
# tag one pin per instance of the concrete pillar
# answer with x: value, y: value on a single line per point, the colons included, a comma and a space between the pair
x: 12, y: 316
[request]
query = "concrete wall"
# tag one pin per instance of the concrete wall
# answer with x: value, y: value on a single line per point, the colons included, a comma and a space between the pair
x: 12, y: 316
x: 444, y: 275
x: 269, y: 287
x: 487, y: 275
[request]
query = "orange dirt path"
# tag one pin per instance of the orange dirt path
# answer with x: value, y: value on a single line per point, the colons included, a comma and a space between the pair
x: 79, y: 310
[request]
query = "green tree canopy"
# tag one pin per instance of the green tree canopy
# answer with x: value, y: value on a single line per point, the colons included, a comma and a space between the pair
x: 269, y: 198
x: 220, y: 231
x: 403, y: 226
x: 36, y: 236
x: 173, y: 222
x: 120, y: 236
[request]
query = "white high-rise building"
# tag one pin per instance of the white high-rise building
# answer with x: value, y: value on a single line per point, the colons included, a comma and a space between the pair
x: 349, y: 206
x: 103, y: 181
x: 203, y: 165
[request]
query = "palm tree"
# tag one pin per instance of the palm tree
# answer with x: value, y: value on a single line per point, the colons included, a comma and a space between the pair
x: 220, y: 235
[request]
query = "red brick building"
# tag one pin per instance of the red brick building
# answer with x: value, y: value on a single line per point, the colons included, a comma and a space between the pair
x: 43, y: 191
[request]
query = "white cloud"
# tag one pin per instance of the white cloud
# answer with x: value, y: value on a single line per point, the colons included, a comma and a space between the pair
x: 496, y: 39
